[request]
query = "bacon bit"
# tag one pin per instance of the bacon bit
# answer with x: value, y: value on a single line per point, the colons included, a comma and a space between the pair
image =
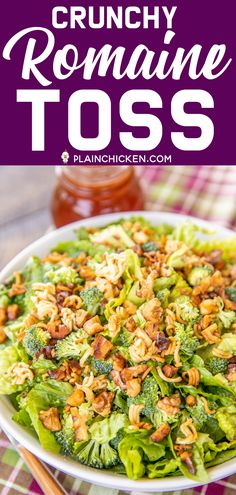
x: 130, y: 307
x: 76, y: 398
x: 13, y: 311
x: 101, y: 347
x: 162, y: 342
x: 130, y: 324
x: 119, y: 362
x: 58, y: 330
x: 209, y: 306
x: 50, y: 419
x: 16, y: 290
x: 93, y: 325
x: 191, y: 400
x: 133, y: 387
x: 87, y: 273
x: 3, y: 316
x: 3, y: 336
x: 102, y: 403
x: 186, y: 458
x: 161, y: 433
x: 117, y: 379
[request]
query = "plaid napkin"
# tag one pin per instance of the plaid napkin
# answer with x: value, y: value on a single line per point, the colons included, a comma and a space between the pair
x: 204, y: 191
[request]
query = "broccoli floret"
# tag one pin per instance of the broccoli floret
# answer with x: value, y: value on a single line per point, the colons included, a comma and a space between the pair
x: 163, y: 296
x: 227, y: 318
x: 148, y: 396
x: 198, y: 273
x: 216, y: 365
x: 101, y: 367
x: 124, y: 338
x: 187, y: 311
x: 64, y: 275
x: 66, y: 436
x: 96, y: 455
x: 231, y: 293
x: 147, y: 247
x: 35, y: 339
x: 91, y: 299
x: 198, y: 414
x: 72, y: 346
x: 188, y: 341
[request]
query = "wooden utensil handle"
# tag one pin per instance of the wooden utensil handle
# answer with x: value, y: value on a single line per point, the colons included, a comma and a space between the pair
x: 46, y: 480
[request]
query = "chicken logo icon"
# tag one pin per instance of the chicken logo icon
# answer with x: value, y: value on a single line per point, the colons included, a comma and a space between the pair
x: 65, y: 157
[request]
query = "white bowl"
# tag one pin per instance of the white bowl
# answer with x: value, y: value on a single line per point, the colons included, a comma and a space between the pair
x: 100, y: 477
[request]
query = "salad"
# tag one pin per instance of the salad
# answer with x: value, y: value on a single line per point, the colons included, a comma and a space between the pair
x: 118, y: 349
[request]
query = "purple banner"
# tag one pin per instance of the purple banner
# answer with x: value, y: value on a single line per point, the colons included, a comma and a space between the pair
x: 151, y: 83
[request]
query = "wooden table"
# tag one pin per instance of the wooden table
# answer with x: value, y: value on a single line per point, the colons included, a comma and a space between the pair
x: 25, y: 194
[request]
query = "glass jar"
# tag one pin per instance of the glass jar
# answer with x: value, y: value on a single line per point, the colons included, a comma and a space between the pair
x: 85, y: 191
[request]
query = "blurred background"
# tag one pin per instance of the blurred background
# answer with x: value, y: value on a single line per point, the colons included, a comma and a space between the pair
x: 26, y: 193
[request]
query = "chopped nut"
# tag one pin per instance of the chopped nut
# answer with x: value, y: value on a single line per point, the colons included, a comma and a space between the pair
x: 81, y: 317
x: 76, y: 398
x: 3, y: 316
x: 117, y: 379
x: 130, y: 307
x: 119, y: 362
x: 50, y: 419
x: 152, y: 330
x: 190, y: 400
x: 152, y: 310
x: 209, y: 306
x: 101, y: 346
x: 170, y: 404
x: 131, y: 324
x: 103, y: 402
x: 13, y: 311
x: 133, y: 372
x: 58, y: 330
x: 133, y: 387
x: 93, y: 325
x: 169, y: 370
x: 3, y: 336
x: 161, y: 433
